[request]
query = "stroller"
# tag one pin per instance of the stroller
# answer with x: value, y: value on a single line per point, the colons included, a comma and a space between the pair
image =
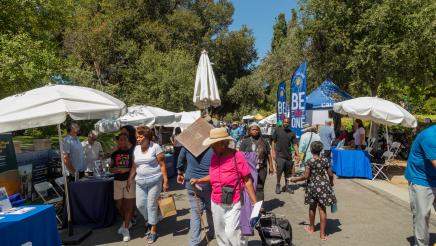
x: 274, y: 230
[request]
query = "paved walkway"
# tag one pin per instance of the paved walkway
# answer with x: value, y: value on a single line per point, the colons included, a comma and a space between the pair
x: 366, y: 216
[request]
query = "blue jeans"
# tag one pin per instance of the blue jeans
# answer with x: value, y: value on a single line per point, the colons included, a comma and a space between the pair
x: 203, y: 201
x: 147, y: 194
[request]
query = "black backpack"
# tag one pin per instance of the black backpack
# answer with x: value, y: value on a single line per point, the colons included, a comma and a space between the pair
x: 274, y: 230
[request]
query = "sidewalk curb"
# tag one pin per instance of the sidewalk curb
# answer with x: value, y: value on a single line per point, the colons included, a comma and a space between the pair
x: 389, y: 196
x: 392, y: 197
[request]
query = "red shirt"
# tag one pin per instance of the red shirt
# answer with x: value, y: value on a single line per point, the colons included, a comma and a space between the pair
x: 223, y: 173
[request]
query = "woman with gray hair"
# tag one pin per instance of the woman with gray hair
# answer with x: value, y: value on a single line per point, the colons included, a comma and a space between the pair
x: 309, y: 136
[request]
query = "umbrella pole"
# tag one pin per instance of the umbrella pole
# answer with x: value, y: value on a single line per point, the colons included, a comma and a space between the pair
x: 67, y: 200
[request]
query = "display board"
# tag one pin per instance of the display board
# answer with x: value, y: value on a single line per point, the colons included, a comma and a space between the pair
x: 9, y: 177
x: 192, y: 137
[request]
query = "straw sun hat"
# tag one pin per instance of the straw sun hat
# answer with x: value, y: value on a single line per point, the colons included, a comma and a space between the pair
x: 217, y: 135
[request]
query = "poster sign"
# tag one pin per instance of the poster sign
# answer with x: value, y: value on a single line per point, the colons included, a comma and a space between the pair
x: 192, y: 137
x: 282, y: 107
x: 298, y: 100
x: 9, y: 177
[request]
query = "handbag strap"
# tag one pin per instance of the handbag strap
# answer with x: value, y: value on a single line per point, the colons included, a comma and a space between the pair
x: 241, y: 198
x: 307, y: 147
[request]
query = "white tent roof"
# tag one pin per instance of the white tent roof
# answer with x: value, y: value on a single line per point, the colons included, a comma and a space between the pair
x: 51, y: 104
x: 206, y: 90
x: 272, y: 119
x: 248, y: 117
x: 377, y: 110
x: 139, y: 115
x: 187, y: 118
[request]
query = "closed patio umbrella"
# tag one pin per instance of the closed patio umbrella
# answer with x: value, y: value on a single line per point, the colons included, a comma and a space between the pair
x: 206, y: 90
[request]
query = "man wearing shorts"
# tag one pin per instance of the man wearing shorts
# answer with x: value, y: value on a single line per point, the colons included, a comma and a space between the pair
x: 124, y: 196
x: 282, y: 141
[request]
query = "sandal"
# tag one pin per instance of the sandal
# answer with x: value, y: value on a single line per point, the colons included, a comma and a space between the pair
x: 147, y: 229
x: 152, y: 237
x: 325, y: 238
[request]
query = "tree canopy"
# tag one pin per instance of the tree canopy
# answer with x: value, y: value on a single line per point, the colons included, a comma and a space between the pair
x: 146, y: 52
x: 378, y: 48
x: 143, y: 52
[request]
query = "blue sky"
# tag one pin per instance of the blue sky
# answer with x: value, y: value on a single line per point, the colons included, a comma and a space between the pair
x: 259, y: 16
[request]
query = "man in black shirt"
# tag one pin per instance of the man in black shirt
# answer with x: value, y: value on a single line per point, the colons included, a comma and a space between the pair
x: 283, y: 138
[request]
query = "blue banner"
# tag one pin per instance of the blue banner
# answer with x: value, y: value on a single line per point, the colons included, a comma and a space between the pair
x: 282, y: 107
x: 298, y: 100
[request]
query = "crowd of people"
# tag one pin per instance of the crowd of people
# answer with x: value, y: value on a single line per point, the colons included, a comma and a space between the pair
x: 217, y: 179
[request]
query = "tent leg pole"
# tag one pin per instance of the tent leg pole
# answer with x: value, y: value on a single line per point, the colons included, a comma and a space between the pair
x: 388, y: 144
x: 67, y: 200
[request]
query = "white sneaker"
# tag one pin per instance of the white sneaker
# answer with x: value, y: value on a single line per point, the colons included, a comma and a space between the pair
x: 122, y: 226
x: 126, y: 234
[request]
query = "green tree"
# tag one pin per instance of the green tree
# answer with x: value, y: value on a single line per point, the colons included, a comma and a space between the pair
x: 279, y: 31
x: 365, y: 44
x: 25, y: 64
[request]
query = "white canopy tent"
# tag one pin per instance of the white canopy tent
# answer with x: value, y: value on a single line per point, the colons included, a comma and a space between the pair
x: 376, y: 110
x: 139, y: 115
x: 50, y: 105
x: 206, y: 90
x: 187, y: 118
x: 272, y: 119
x: 248, y: 117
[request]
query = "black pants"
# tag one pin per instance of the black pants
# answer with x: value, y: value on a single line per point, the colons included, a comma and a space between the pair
x: 261, y: 177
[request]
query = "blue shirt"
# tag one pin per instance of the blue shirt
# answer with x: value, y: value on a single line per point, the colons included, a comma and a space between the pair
x: 327, y: 135
x: 419, y: 169
x: 235, y: 133
x: 73, y: 147
x: 198, y: 167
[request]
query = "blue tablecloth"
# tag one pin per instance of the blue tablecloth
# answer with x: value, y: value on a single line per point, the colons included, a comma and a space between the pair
x: 37, y: 226
x: 92, y: 203
x: 351, y: 163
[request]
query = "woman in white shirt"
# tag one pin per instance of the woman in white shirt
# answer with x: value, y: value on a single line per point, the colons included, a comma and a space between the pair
x: 359, y: 135
x: 148, y: 171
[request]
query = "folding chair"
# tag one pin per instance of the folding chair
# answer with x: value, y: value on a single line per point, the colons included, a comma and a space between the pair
x: 379, y: 169
x: 395, y: 148
x: 50, y: 196
x: 370, y: 146
x: 60, y: 182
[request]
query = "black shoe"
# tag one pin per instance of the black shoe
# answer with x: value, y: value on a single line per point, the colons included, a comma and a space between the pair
x: 278, y: 189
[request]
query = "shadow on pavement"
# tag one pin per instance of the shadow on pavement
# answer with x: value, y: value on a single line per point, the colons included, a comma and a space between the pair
x: 432, y: 241
x: 273, y: 204
x: 333, y: 226
x: 170, y: 226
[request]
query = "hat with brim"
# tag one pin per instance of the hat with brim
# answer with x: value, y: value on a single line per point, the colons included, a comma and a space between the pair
x: 217, y: 135
x: 308, y: 128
